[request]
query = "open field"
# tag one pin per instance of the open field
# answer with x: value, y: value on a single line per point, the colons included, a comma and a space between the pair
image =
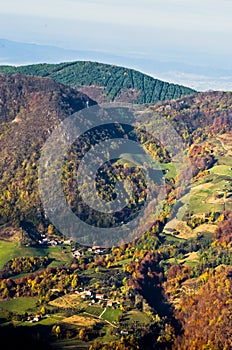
x: 203, y: 195
x: 121, y: 263
x: 204, y: 198
x: 80, y: 321
x: 111, y: 315
x: 10, y: 250
x: 19, y: 305
x: 171, y: 170
x: 66, y: 301
x: 205, y: 228
x: 136, y: 316
x: 96, y: 311
x: 186, y: 232
x: 191, y: 258
x: 209, y: 193
x: 221, y: 170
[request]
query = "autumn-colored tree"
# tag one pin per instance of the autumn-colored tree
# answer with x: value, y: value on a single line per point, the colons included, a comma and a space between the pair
x: 206, y: 314
x: 223, y: 233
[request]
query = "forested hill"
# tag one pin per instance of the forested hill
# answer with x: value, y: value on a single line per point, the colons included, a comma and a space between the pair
x: 31, y: 106
x: 103, y: 82
x: 200, y: 115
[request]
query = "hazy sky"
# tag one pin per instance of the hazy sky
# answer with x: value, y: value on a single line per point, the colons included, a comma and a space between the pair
x: 197, y: 29
x: 193, y: 32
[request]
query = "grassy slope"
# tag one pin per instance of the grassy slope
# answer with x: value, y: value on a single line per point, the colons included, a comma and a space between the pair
x: 9, y: 250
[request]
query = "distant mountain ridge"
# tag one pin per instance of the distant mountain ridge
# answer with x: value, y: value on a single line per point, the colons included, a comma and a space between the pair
x: 104, y: 82
x: 13, y: 52
x: 178, y: 71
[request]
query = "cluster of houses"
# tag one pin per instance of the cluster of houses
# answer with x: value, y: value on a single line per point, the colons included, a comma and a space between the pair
x: 76, y: 253
x: 45, y: 240
x: 33, y: 319
x: 96, y: 249
x: 94, y: 297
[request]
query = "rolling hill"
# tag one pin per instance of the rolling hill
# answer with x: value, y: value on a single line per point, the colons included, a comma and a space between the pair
x: 103, y: 82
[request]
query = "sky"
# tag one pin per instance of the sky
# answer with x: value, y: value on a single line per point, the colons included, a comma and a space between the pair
x: 193, y: 32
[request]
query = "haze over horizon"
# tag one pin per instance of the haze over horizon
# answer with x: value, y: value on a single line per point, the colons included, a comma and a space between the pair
x: 190, y: 39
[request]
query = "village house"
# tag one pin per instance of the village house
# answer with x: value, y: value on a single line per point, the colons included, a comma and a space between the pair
x: 109, y: 303
x: 99, y: 296
x: 33, y: 319
x: 97, y: 249
x: 85, y: 294
x: 76, y: 254
x: 68, y: 242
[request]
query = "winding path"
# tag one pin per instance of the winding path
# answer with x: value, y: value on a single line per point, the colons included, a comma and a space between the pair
x: 222, y: 143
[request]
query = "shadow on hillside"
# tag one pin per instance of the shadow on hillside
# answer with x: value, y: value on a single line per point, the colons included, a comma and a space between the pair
x: 26, y: 338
